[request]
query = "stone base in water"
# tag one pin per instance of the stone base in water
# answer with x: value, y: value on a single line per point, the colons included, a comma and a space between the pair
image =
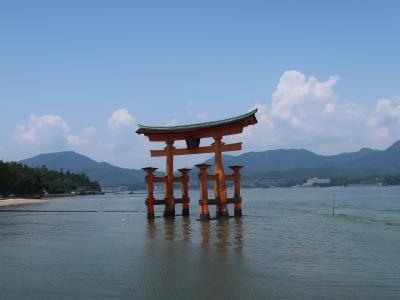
x: 169, y: 214
x: 205, y: 217
x: 222, y: 214
x: 238, y: 213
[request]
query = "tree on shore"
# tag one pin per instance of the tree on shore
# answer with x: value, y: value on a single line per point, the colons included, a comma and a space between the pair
x: 21, y: 180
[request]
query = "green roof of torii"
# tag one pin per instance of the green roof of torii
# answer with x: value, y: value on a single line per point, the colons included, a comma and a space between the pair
x: 143, y: 129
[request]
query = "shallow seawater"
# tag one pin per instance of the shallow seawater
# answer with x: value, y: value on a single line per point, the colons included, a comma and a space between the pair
x: 287, y: 246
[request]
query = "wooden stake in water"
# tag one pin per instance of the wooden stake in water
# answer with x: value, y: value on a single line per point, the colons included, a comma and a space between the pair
x: 333, y: 204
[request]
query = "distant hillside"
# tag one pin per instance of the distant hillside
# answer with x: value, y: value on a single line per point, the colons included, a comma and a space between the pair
x: 104, y: 173
x: 300, y: 163
x: 294, y: 164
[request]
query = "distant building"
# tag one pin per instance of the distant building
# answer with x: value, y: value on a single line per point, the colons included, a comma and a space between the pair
x: 316, y: 182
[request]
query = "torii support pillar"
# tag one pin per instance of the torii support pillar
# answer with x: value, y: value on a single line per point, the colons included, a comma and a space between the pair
x: 236, y: 196
x: 203, y: 202
x: 185, y: 191
x: 150, y: 191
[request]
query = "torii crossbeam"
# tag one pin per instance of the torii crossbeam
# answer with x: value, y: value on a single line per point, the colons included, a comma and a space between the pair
x: 193, y: 134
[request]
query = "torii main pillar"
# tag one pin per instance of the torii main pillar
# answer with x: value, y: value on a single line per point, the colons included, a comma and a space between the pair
x: 220, y: 192
x: 169, y: 210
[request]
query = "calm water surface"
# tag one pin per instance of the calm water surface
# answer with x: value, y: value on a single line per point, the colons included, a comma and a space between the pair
x: 287, y: 246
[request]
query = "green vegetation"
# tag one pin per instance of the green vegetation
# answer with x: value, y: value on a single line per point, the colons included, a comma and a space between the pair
x: 20, y: 180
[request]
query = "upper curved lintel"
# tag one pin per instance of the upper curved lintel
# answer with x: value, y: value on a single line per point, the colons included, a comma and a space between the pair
x: 250, y: 116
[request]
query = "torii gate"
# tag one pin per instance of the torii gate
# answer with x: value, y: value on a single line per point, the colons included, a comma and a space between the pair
x: 192, y: 134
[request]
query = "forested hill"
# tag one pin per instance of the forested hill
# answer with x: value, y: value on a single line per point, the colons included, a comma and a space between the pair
x: 106, y: 174
x: 288, y: 164
x: 21, y: 180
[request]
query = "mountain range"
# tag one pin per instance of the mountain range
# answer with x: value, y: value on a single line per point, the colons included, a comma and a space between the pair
x: 301, y: 164
x: 297, y: 164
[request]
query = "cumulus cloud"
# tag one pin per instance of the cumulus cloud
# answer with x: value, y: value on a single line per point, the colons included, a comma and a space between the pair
x: 42, y: 130
x: 85, y: 138
x: 296, y: 94
x: 302, y: 112
x: 330, y: 108
x: 388, y: 110
x: 49, y: 132
x: 121, y: 118
x: 76, y: 140
x: 89, y: 130
x: 119, y: 146
x: 384, y: 122
x: 307, y: 113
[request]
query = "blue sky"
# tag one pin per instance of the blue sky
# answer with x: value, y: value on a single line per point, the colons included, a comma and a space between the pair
x: 324, y: 75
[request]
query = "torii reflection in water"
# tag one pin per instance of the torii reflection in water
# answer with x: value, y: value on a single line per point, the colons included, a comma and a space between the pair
x: 224, y: 234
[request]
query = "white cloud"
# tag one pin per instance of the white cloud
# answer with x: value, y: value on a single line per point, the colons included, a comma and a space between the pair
x: 388, y: 109
x: 122, y: 147
x: 86, y: 138
x: 89, y: 130
x: 120, y: 118
x: 303, y: 112
x: 76, y: 140
x: 42, y: 130
x: 330, y: 108
x: 295, y: 92
x: 384, y: 122
x: 307, y: 113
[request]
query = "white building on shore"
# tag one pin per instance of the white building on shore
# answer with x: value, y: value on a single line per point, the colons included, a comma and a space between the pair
x: 316, y: 182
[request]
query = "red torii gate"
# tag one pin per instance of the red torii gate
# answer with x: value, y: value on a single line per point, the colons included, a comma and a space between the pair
x: 192, y: 134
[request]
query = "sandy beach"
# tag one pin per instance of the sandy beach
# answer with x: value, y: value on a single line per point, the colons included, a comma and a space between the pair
x: 19, y: 201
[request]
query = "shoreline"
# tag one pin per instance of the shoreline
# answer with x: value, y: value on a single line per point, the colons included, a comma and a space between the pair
x: 20, y: 201
x: 43, y: 199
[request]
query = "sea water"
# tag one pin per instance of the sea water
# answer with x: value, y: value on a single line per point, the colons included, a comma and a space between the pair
x: 287, y: 246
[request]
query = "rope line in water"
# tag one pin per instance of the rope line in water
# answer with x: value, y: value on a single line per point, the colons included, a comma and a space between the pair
x: 70, y: 211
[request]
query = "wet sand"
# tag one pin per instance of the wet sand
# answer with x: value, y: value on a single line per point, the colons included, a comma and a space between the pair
x: 19, y: 201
